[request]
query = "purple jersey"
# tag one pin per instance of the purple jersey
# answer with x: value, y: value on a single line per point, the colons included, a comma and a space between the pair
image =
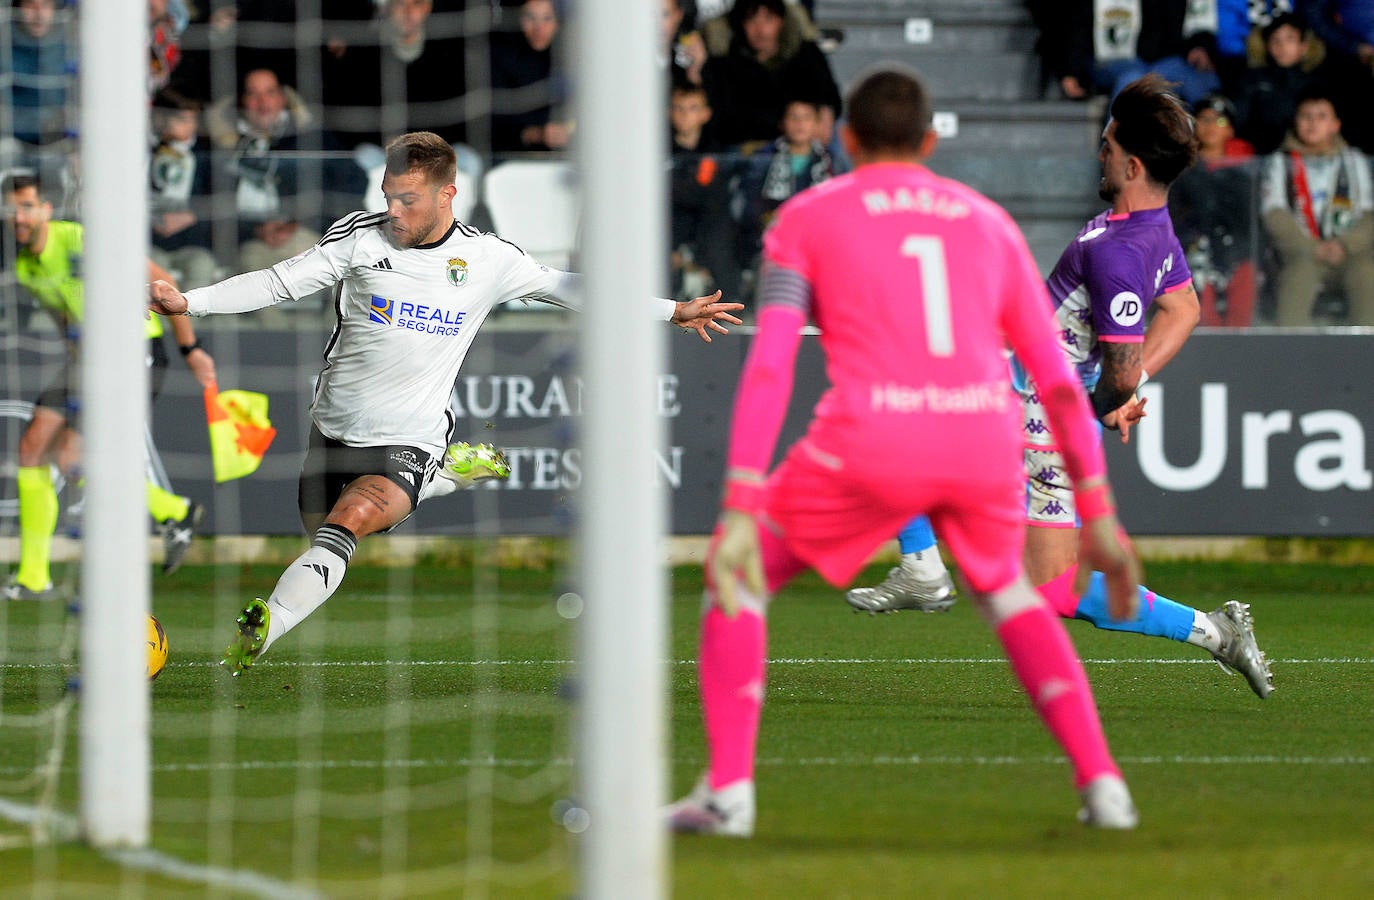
x: 1107, y: 277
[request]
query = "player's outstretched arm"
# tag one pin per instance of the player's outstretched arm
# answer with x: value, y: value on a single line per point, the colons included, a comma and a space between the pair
x: 705, y: 313
x: 1106, y: 548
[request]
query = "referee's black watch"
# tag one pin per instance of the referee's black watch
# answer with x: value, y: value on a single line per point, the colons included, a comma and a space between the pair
x: 191, y: 348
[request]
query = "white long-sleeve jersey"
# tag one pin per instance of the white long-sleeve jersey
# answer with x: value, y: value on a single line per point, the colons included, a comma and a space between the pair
x: 406, y: 320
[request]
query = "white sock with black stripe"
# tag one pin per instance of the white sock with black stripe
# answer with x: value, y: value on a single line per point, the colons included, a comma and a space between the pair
x: 310, y: 580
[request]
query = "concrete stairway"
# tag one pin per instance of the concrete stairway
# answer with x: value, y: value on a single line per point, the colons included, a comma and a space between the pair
x: 1002, y: 132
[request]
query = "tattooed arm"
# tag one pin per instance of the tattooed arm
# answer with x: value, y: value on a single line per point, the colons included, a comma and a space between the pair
x: 1120, y: 374
x: 1123, y: 364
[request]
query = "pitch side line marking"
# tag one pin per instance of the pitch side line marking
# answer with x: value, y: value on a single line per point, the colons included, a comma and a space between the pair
x: 918, y: 760
x: 799, y: 661
x: 15, y: 813
x: 782, y: 661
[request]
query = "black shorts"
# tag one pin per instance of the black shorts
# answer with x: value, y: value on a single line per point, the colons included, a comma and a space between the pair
x: 63, y: 393
x: 330, y: 466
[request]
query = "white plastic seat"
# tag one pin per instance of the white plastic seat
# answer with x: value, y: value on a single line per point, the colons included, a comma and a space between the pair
x: 534, y: 205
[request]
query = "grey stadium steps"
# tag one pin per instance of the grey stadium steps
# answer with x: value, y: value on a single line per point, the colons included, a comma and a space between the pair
x: 976, y: 49
x: 1039, y: 127
x: 1050, y: 197
x: 831, y: 13
x: 1035, y: 157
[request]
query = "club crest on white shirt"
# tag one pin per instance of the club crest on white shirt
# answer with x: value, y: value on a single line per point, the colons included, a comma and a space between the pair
x: 457, y: 272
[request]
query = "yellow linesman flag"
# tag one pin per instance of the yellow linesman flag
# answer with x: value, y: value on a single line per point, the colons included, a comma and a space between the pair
x: 240, y: 431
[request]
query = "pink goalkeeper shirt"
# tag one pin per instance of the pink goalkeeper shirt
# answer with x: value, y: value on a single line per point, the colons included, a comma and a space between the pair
x: 919, y: 286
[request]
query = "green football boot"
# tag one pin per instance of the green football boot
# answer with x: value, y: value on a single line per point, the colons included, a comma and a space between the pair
x: 252, y: 626
x: 467, y: 464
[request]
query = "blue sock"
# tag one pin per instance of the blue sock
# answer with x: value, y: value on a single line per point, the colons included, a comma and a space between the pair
x: 917, y: 536
x: 1159, y: 616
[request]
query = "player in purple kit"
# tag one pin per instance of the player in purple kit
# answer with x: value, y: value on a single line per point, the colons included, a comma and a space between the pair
x: 1122, y: 262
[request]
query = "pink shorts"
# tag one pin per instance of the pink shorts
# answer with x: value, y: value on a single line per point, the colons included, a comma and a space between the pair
x: 833, y: 513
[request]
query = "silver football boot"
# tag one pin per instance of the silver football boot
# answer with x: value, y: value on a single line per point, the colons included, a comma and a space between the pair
x: 903, y: 590
x: 1239, y: 652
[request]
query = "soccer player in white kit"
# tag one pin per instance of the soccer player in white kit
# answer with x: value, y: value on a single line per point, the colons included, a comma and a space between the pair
x: 917, y: 284
x: 412, y: 286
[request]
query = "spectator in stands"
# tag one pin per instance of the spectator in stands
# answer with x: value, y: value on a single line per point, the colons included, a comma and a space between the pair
x: 405, y: 72
x: 769, y: 62
x: 792, y: 164
x: 703, y: 230
x: 1212, y: 205
x: 283, y: 199
x: 713, y: 21
x: 1236, y: 25
x: 167, y: 19
x: 1346, y: 27
x: 1101, y: 47
x: 1261, y: 13
x: 40, y: 80
x: 1230, y: 22
x: 253, y: 28
x: 1267, y: 97
x: 1317, y: 207
x: 684, y: 49
x: 529, y: 92
x: 179, y: 192
x: 37, y: 91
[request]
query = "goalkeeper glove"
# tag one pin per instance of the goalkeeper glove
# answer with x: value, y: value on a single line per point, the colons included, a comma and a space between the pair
x: 1105, y: 547
x: 735, y: 550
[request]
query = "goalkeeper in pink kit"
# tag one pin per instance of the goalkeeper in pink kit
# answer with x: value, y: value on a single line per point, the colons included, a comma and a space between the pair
x: 918, y: 285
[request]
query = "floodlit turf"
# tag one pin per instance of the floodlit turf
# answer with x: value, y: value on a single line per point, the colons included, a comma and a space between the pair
x: 369, y: 755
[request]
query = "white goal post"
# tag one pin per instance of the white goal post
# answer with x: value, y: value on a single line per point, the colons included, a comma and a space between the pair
x: 114, y: 719
x: 621, y: 753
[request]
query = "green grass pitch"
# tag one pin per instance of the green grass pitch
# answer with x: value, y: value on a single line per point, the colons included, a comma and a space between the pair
x: 411, y: 740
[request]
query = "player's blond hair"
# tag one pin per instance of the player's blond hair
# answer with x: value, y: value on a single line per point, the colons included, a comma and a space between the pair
x: 424, y: 151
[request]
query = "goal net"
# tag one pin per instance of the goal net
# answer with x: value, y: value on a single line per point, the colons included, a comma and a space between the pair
x: 426, y: 730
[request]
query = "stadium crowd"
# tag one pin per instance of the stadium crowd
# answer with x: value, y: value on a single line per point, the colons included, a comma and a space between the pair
x: 1276, y: 220
x: 1276, y: 216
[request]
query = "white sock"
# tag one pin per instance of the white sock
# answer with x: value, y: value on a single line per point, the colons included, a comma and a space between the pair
x: 925, y: 564
x: 437, y: 486
x: 310, y: 580
x: 1205, y: 633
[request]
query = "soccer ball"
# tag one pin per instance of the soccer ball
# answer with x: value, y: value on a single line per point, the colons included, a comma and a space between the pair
x: 157, y: 648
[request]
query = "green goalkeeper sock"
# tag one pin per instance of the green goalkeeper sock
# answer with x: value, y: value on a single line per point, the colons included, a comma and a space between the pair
x: 37, y: 522
x: 164, y: 505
